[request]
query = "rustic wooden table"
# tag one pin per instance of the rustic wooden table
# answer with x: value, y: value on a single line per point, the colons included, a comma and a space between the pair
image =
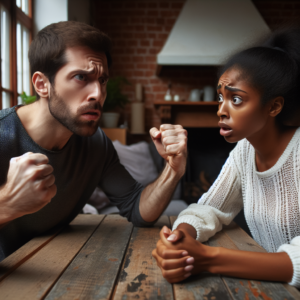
x: 105, y: 257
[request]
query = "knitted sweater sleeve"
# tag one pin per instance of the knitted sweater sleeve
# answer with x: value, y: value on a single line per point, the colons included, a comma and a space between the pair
x: 218, y: 206
x: 293, y: 251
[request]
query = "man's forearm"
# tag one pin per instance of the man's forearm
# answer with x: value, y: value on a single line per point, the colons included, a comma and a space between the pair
x: 5, y: 213
x: 252, y: 265
x: 156, y: 196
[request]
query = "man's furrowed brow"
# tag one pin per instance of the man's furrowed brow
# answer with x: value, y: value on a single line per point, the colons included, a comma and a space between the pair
x: 84, y: 72
x: 89, y: 72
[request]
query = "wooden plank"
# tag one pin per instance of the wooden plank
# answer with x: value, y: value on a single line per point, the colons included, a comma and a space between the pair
x: 189, y: 103
x: 244, y: 288
x: 232, y: 237
x: 204, y: 286
x: 253, y: 290
x: 35, y: 277
x: 17, y: 258
x: 93, y: 272
x: 140, y: 277
x: 244, y: 242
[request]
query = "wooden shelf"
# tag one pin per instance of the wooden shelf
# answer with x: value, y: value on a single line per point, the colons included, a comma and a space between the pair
x: 188, y: 113
x: 116, y: 134
x: 190, y: 103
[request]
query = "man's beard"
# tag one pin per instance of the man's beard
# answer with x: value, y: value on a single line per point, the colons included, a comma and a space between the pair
x: 61, y: 112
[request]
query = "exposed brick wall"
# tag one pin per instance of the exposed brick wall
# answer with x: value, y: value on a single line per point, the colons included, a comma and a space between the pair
x: 139, y: 29
x: 278, y: 13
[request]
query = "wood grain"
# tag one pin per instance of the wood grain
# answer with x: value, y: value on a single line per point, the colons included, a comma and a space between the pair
x: 93, y: 272
x: 140, y: 277
x: 35, y: 277
x: 17, y: 258
x: 204, y: 286
x: 233, y: 237
x: 244, y: 242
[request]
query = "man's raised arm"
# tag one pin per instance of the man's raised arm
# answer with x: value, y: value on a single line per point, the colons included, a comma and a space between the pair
x: 171, y: 144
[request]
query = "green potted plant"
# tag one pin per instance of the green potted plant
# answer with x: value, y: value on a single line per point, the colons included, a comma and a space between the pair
x: 115, y: 100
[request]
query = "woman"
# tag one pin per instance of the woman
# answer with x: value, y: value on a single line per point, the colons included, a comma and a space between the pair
x: 259, y: 107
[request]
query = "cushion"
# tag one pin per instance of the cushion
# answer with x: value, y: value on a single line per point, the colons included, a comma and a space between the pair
x: 138, y: 161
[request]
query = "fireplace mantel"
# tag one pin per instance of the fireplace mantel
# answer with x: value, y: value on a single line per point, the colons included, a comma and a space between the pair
x: 187, y: 113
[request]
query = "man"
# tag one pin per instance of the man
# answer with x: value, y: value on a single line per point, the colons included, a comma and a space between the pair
x: 52, y: 153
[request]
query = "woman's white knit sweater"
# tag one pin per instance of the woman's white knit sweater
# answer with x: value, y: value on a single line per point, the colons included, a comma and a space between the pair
x: 271, y: 201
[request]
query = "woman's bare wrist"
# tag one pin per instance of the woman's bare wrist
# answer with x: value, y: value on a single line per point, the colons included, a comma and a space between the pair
x: 188, y: 228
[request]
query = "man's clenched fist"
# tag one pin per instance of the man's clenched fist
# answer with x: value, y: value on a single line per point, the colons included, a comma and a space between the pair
x: 171, y: 144
x: 29, y: 186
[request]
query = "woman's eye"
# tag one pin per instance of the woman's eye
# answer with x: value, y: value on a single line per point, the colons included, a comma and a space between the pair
x: 80, y: 77
x: 221, y: 98
x: 237, y: 100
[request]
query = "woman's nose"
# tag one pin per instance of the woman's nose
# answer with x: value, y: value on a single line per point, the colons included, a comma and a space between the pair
x: 223, y: 110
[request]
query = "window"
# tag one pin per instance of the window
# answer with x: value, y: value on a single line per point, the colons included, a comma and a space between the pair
x: 23, y: 77
x: 5, y: 57
x: 16, y: 34
x: 23, y: 4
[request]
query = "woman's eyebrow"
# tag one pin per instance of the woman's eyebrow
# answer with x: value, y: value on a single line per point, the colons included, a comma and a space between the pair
x: 232, y: 89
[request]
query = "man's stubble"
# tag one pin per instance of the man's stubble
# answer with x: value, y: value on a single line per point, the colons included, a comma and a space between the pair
x: 61, y: 112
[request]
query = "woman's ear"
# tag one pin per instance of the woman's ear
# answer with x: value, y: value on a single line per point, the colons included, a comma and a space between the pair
x: 41, y: 84
x: 276, y: 106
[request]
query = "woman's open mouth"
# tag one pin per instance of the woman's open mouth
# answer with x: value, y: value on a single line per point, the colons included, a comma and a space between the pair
x: 225, y: 129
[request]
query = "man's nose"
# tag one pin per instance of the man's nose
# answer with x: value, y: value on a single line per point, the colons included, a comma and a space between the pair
x: 223, y: 110
x: 95, y: 91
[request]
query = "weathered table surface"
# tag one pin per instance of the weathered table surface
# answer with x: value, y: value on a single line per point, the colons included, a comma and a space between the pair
x: 105, y: 257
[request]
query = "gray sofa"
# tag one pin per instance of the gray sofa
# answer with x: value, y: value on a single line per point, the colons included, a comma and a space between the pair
x: 144, y: 164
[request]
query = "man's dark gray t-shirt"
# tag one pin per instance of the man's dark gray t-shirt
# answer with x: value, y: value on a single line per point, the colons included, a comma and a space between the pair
x: 83, y: 164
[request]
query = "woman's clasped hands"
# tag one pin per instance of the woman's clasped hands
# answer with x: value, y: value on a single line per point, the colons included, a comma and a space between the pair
x: 179, y: 255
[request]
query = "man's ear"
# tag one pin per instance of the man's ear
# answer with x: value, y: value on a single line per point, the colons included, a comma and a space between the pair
x: 276, y: 106
x: 41, y: 84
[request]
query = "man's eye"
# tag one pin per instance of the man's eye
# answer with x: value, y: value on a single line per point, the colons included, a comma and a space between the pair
x: 220, y: 98
x: 80, y: 77
x: 103, y: 80
x: 237, y: 100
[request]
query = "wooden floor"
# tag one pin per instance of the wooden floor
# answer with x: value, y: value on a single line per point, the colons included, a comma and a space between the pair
x: 105, y: 257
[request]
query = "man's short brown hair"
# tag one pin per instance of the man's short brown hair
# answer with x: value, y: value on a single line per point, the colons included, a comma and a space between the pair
x: 47, y: 50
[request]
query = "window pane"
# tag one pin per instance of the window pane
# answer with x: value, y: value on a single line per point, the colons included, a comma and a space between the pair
x: 19, y: 3
x: 23, y: 76
x: 19, y: 58
x: 5, y: 100
x: 5, y: 59
x: 26, y: 75
x: 25, y: 6
x: 20, y: 101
